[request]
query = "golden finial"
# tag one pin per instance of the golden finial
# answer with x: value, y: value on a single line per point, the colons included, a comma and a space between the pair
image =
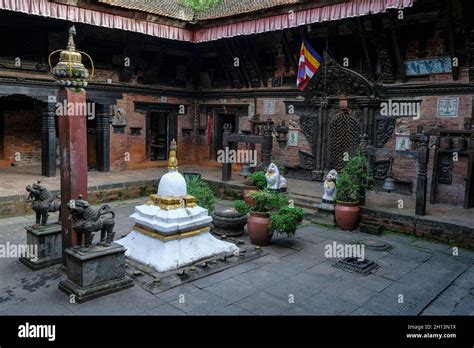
x: 70, y: 72
x: 172, y: 160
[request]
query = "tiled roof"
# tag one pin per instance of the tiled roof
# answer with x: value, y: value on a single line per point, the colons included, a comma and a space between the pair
x: 174, y: 8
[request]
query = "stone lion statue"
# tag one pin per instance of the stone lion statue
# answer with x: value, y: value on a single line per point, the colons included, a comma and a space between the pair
x: 86, y: 220
x: 330, y: 187
x: 43, y: 202
x: 275, y: 181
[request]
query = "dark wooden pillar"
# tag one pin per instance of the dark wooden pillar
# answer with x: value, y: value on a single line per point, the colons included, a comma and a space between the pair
x: 422, y: 180
x: 226, y: 166
x: 364, y: 105
x: 267, y: 144
x: 73, y: 153
x: 48, y: 140
x: 103, y: 138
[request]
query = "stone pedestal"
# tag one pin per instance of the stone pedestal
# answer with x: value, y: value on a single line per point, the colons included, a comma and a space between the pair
x: 228, y: 222
x: 47, y: 240
x: 325, y: 215
x: 95, y: 272
x: 170, y: 239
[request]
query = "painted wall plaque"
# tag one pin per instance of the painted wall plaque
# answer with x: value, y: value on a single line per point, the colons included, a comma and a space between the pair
x: 428, y: 66
x: 402, y: 127
x: 269, y: 106
x: 293, y: 138
x: 403, y: 144
x: 448, y: 107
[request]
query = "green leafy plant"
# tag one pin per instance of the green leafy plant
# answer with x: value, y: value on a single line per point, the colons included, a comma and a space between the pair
x: 286, y: 220
x: 202, y: 192
x: 241, y: 206
x: 258, y: 179
x: 266, y: 201
x: 354, y: 179
x: 200, y: 5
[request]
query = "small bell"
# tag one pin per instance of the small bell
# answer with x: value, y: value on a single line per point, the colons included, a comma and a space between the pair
x: 389, y: 182
x: 245, y: 171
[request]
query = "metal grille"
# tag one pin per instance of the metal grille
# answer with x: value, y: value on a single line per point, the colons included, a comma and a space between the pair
x: 344, y: 137
x: 352, y: 264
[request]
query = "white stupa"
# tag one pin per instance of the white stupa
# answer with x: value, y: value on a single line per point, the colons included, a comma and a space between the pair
x: 170, y: 230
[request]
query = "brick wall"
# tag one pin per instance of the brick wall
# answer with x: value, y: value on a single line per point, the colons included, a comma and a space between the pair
x: 135, y: 145
x: 23, y: 136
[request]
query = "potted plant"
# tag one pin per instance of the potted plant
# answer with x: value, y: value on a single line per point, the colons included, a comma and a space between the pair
x: 351, y: 186
x: 241, y: 207
x: 257, y: 181
x: 258, y: 222
x: 286, y: 220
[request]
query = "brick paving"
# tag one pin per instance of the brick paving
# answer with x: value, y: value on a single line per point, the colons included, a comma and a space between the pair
x: 292, y: 278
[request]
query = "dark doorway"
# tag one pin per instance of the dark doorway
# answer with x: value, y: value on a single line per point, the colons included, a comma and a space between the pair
x: 91, y: 144
x: 222, y: 119
x: 161, y: 129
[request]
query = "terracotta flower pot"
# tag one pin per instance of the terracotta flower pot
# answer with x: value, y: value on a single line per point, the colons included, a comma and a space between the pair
x: 347, y: 215
x: 257, y: 227
x: 250, y: 202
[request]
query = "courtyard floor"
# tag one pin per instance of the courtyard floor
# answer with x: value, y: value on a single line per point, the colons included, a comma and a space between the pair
x: 292, y: 277
x: 15, y: 179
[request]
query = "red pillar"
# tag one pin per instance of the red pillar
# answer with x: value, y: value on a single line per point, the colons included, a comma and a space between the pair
x: 73, y: 153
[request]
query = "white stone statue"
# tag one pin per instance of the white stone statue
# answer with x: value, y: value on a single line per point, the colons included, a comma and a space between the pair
x: 330, y: 187
x: 275, y: 181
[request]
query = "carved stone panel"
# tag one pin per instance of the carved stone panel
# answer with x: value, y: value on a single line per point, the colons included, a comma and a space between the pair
x: 308, y: 125
x: 445, y: 170
x: 334, y: 79
x: 384, y: 129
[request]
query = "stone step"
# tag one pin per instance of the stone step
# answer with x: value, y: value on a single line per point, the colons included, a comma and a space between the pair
x: 306, y: 201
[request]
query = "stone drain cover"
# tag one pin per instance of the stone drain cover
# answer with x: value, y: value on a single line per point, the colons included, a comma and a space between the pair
x: 352, y: 264
x: 375, y: 244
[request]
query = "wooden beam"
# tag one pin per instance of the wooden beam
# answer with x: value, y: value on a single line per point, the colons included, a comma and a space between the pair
x: 242, y: 69
x: 365, y: 48
x: 291, y: 58
x: 248, y: 43
x: 224, y: 68
x: 195, y: 65
x: 396, y: 47
x: 452, y: 48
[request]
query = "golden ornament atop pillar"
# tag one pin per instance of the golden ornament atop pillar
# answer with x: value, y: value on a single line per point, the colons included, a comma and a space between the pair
x: 70, y: 72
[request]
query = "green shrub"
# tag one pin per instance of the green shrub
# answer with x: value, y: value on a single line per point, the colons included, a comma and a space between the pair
x: 258, y: 179
x: 203, y: 193
x: 286, y: 220
x: 354, y: 179
x: 200, y: 5
x: 266, y: 201
x: 241, y: 206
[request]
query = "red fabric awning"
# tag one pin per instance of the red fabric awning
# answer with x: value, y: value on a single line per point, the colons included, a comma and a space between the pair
x: 293, y: 19
x: 277, y: 22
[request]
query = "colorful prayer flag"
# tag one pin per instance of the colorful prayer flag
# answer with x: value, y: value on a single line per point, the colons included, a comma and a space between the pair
x: 309, y: 63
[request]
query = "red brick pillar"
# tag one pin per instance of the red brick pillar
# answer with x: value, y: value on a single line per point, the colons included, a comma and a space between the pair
x: 72, y: 128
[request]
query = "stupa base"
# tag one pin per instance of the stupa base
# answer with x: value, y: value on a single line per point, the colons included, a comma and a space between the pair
x: 167, y: 254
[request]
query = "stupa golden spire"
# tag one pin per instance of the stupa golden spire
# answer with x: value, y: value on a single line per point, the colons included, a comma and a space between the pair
x: 172, y: 160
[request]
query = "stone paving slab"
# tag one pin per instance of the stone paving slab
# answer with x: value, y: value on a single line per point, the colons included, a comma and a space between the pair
x: 293, y: 278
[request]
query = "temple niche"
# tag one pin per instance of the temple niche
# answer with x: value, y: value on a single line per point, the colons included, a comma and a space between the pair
x: 338, y: 109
